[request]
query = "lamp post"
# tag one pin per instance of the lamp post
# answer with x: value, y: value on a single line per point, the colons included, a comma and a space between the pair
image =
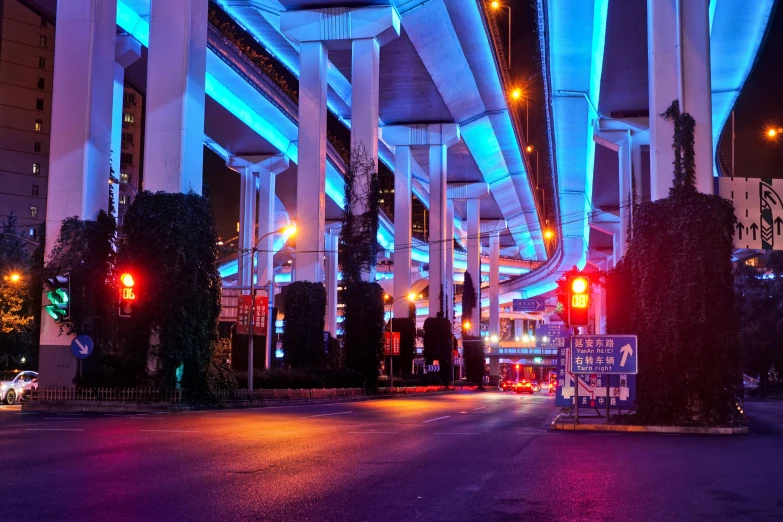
x: 497, y: 5
x: 291, y: 230
x: 410, y: 297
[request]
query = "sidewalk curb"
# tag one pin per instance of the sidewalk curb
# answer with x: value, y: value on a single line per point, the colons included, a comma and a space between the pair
x: 624, y: 428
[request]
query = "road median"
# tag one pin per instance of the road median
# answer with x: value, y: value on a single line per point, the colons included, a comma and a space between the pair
x: 598, y: 424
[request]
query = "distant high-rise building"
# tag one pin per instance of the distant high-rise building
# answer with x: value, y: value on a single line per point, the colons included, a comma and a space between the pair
x: 129, y: 171
x: 26, y: 77
x: 26, y: 70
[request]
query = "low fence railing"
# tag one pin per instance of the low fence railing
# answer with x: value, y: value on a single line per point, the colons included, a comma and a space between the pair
x: 65, y: 394
x: 144, y: 394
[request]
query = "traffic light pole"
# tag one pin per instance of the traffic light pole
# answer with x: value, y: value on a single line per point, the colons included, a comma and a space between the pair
x: 252, y: 320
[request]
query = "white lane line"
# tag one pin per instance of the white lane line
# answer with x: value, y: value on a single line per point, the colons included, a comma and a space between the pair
x: 27, y: 413
x: 437, y: 418
x: 70, y: 414
x: 169, y: 431
x: 53, y: 429
x: 59, y: 418
x: 449, y: 433
x: 477, y: 409
x: 372, y: 432
x: 328, y: 414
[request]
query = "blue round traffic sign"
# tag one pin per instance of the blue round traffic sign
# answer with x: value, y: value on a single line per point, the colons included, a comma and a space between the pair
x: 81, y: 346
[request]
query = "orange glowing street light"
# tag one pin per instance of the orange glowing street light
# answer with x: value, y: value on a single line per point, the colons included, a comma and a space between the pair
x: 773, y: 132
x: 496, y: 6
x: 14, y: 277
x: 548, y: 234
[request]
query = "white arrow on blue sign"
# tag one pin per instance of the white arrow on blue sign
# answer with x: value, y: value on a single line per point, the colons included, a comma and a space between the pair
x: 606, y: 354
x: 529, y: 305
x: 81, y: 346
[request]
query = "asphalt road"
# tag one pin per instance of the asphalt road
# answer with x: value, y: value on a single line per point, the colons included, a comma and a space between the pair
x: 461, y: 457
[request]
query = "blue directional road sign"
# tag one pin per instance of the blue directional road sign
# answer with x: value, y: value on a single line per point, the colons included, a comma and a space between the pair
x: 605, y: 354
x: 556, y: 336
x: 593, y: 387
x: 529, y: 305
x: 81, y: 346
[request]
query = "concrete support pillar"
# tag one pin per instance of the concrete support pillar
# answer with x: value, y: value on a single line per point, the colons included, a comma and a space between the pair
x: 448, y: 288
x: 402, y: 228
x: 437, y: 228
x: 311, y: 178
x: 176, y: 73
x: 439, y: 137
x: 332, y: 241
x: 474, y: 256
x: 126, y: 52
x: 599, y: 308
x: 678, y: 38
x: 625, y: 173
x: 364, y: 30
x: 471, y: 192
x: 257, y: 207
x: 494, y: 285
x: 79, y: 156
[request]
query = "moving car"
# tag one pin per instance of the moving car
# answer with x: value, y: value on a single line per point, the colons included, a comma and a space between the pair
x: 15, y: 388
x: 505, y: 385
x: 523, y: 386
x: 536, y: 387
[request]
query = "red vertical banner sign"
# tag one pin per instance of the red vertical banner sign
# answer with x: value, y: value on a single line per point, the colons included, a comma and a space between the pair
x: 243, y: 315
x: 260, y: 315
x: 394, y: 349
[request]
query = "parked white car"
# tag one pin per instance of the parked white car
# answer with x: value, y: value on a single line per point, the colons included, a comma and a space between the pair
x: 14, y: 389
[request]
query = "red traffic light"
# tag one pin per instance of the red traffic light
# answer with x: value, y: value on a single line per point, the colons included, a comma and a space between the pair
x: 578, y: 300
x: 127, y: 294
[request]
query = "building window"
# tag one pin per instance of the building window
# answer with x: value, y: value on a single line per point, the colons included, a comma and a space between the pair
x: 124, y: 177
x: 124, y: 199
x: 36, y: 168
x: 128, y: 118
x: 36, y: 190
x: 33, y: 211
x: 43, y: 22
x: 41, y: 83
x: 127, y: 137
x: 38, y: 125
x: 37, y: 146
x: 39, y: 104
x: 33, y: 232
x: 129, y: 97
x: 42, y: 41
x: 41, y: 62
x: 126, y: 157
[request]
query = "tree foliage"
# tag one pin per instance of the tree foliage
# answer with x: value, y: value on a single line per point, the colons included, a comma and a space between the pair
x: 406, y: 327
x: 674, y: 289
x: 363, y: 324
x: 303, y: 341
x: 759, y: 294
x: 438, y: 344
x: 19, y: 304
x: 469, y: 299
x: 169, y: 245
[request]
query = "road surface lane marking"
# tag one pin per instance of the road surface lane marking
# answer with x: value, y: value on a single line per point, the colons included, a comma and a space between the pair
x: 170, y: 431
x: 476, y: 409
x: 53, y: 429
x: 448, y: 433
x: 328, y: 414
x: 371, y: 432
x: 60, y: 418
x: 437, y: 418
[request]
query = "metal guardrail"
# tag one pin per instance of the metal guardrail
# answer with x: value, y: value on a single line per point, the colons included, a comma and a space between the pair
x: 146, y: 394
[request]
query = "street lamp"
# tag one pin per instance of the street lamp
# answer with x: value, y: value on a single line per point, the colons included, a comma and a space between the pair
x: 516, y: 95
x: 774, y: 132
x: 14, y: 277
x: 497, y: 5
x: 530, y: 150
x: 289, y: 231
x: 410, y: 297
x: 548, y: 234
